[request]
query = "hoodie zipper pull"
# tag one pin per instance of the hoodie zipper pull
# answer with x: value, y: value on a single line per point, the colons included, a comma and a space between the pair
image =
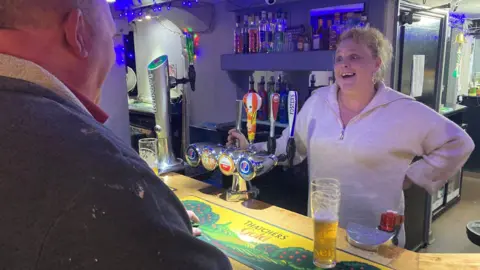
x: 342, y: 135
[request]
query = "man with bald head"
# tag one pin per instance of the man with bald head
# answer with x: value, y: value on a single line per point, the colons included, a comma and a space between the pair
x: 72, y: 194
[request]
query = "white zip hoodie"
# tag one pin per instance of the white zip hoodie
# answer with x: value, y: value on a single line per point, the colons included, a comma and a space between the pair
x: 373, y: 154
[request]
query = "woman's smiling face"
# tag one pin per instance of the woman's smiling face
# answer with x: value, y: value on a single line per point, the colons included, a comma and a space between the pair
x: 355, y: 66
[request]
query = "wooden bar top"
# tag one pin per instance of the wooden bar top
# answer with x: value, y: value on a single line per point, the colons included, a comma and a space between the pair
x: 302, y: 225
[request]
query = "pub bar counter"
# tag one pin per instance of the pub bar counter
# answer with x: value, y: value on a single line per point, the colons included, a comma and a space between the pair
x: 388, y: 256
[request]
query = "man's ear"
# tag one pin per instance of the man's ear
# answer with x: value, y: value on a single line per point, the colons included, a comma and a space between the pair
x: 76, y: 34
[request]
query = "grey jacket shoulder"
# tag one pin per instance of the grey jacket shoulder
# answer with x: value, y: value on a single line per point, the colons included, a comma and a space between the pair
x: 74, y: 196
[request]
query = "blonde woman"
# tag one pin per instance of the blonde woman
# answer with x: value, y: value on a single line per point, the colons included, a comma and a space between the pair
x: 366, y: 135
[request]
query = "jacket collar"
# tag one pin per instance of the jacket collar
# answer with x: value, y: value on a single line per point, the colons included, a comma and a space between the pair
x: 17, y: 68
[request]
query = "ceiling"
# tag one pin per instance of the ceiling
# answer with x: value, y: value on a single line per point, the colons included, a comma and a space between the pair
x: 470, y: 7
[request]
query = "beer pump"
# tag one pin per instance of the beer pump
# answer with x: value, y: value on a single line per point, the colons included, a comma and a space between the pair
x: 160, y: 84
x: 246, y: 165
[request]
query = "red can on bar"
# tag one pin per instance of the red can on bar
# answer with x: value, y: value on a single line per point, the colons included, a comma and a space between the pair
x: 389, y: 220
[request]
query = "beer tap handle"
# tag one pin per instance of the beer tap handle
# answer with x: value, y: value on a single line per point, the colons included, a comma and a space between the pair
x: 274, y: 104
x: 271, y: 145
x: 292, y: 117
x: 252, y: 102
x: 291, y: 149
x: 239, y: 120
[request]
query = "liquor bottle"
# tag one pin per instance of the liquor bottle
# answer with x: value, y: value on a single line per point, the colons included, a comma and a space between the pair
x: 270, y: 91
x: 337, y: 28
x: 343, y: 24
x: 317, y: 36
x: 253, y: 36
x: 287, y: 35
x: 331, y: 80
x: 350, y: 21
x: 237, y: 37
x: 263, y: 112
x: 270, y: 32
x: 363, y: 21
x: 245, y: 38
x: 332, y: 36
x: 251, y: 82
x: 283, y: 108
x: 300, y: 43
x: 257, y: 24
x: 278, y: 84
x: 306, y: 42
x: 279, y: 33
x: 262, y: 33
x: 312, y: 85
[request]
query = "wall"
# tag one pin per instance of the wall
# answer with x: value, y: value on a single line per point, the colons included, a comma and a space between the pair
x: 214, y: 99
x: 114, y: 96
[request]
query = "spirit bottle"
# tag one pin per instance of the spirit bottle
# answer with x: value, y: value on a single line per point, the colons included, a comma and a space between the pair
x: 263, y: 29
x: 270, y: 32
x: 253, y: 36
x: 237, y: 37
x: 245, y: 38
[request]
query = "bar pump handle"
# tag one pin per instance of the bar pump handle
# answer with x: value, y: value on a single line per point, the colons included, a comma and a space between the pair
x: 238, y: 123
x: 291, y: 150
x: 271, y: 145
x: 274, y: 103
x: 192, y: 77
x: 292, y: 118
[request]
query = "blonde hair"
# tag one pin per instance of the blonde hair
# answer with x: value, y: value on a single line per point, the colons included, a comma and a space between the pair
x: 378, y: 44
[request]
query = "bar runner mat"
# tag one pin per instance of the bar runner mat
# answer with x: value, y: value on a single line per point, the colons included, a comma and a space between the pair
x: 260, y: 245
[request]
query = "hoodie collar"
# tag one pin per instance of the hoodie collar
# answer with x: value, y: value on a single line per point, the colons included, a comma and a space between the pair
x: 383, y: 96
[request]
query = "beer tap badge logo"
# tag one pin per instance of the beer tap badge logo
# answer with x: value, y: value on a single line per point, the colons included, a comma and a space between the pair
x: 208, y: 160
x: 226, y: 165
x: 246, y: 169
x: 192, y: 157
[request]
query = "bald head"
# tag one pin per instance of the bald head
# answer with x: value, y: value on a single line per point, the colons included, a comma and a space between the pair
x: 72, y: 39
x: 15, y: 14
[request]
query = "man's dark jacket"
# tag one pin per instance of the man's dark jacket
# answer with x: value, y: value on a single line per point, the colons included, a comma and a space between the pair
x: 71, y: 194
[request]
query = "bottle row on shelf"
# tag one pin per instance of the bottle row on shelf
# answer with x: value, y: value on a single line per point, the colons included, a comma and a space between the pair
x: 266, y: 33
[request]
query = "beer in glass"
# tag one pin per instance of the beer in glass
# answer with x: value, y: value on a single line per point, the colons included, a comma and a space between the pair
x: 324, y: 204
x: 148, y: 150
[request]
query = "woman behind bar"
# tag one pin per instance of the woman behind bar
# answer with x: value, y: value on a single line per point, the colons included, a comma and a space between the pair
x: 366, y: 135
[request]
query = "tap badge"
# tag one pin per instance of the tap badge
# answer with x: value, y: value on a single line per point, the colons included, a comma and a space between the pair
x: 192, y: 157
x: 208, y: 161
x: 226, y: 165
x: 191, y: 153
x: 246, y: 169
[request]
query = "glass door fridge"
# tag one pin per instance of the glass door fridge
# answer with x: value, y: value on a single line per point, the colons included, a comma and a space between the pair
x: 418, y: 72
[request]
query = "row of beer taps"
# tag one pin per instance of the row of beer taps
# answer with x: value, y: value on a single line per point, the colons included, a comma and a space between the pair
x: 245, y: 165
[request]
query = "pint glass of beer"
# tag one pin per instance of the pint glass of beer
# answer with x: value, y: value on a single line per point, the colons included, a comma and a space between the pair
x: 324, y: 204
x: 148, y: 150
